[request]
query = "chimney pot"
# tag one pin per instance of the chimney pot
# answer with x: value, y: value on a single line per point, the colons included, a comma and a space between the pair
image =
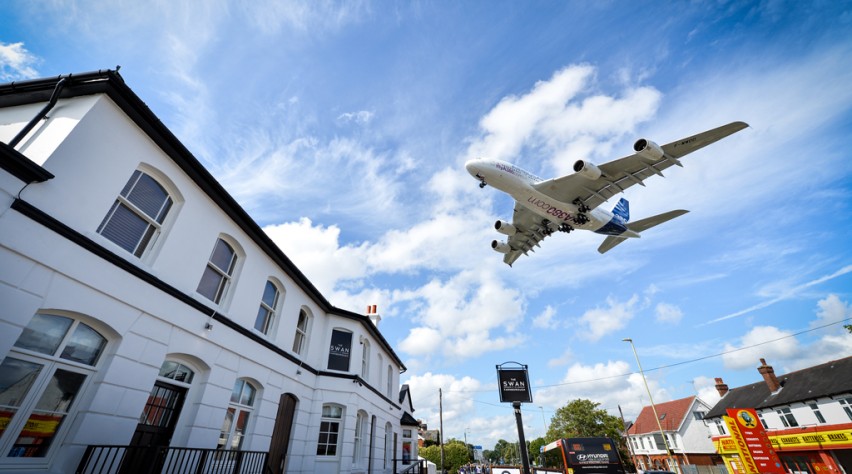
x: 769, y: 377
x: 721, y: 387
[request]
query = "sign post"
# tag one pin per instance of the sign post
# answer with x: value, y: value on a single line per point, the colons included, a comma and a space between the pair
x: 515, y: 389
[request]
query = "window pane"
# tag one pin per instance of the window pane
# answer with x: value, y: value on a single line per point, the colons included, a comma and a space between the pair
x: 209, y: 285
x: 223, y: 256
x: 239, y: 430
x: 124, y: 227
x: 247, y: 397
x: 44, y: 333
x: 235, y: 393
x: 16, y: 378
x: 40, y: 429
x: 270, y: 295
x: 148, y: 196
x: 261, y: 323
x: 226, y: 428
x: 84, y: 346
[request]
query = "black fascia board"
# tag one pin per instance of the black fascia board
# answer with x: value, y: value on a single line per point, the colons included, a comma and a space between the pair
x: 22, y: 167
x: 111, y: 83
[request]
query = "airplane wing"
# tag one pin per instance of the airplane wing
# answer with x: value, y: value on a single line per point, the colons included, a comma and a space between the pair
x: 618, y: 175
x: 530, y: 233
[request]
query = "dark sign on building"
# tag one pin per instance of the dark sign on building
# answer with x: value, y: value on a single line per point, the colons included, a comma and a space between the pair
x: 338, y: 351
x: 514, y: 385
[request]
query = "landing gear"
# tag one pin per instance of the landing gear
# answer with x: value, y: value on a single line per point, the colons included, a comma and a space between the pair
x: 482, y: 184
x: 565, y: 228
x: 580, y: 219
x: 581, y: 206
x: 481, y: 179
x: 545, y: 228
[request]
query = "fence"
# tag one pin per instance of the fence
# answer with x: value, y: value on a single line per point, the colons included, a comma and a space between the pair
x: 107, y: 459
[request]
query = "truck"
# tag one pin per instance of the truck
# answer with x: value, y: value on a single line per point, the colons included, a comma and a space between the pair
x: 587, y: 455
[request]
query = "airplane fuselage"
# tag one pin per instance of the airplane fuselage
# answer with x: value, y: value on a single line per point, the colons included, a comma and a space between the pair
x: 518, y: 183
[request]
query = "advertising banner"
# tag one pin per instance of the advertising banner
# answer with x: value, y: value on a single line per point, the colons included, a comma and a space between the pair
x: 338, y: 351
x: 514, y: 385
x: 757, y: 443
x: 749, y: 467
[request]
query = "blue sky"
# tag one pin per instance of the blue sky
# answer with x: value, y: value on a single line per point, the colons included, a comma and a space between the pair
x: 343, y: 129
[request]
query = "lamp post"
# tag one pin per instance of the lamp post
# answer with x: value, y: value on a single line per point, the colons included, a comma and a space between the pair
x: 653, y: 408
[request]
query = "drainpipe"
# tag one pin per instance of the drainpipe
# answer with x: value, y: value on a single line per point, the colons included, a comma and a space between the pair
x: 43, y: 113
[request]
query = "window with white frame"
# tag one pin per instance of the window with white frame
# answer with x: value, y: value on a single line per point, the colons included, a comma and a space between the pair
x: 237, y: 417
x: 360, y: 448
x: 302, y: 328
x: 329, y: 432
x: 266, y: 313
x: 406, y: 446
x: 218, y: 273
x: 379, y: 371
x: 389, y: 391
x: 136, y: 217
x: 762, y: 421
x: 698, y: 415
x: 720, y: 426
x: 787, y: 418
x: 815, y: 409
x: 365, y: 360
x: 388, y: 445
x: 846, y: 403
x: 40, y: 378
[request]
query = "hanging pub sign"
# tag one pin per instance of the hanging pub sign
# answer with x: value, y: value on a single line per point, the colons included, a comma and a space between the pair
x: 514, y: 384
x: 338, y: 351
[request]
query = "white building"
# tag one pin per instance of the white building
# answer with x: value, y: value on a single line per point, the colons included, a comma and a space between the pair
x: 686, y: 435
x: 141, y: 305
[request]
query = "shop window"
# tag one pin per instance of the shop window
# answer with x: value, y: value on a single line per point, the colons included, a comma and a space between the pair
x: 329, y: 432
x: 237, y: 417
x: 40, y: 379
x: 135, y: 219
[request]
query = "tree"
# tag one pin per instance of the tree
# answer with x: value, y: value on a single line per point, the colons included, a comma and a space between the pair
x: 431, y: 454
x: 535, y: 450
x: 456, y: 455
x: 582, y: 418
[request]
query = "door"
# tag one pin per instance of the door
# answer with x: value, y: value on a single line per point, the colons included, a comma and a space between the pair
x: 281, y: 433
x: 155, y: 428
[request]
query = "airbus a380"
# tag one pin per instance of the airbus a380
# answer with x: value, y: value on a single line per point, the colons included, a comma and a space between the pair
x: 572, y: 202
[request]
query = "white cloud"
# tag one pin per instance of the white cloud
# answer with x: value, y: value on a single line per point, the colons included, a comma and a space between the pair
x: 830, y: 310
x: 362, y: 117
x: 668, y: 313
x: 599, y: 322
x: 546, y: 320
x: 566, y: 357
x: 16, y: 62
x: 754, y: 347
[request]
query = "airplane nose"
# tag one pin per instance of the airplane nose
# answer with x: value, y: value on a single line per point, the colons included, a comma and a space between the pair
x: 472, y: 167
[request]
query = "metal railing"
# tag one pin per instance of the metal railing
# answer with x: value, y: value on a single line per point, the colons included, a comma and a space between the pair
x: 416, y: 466
x: 111, y: 459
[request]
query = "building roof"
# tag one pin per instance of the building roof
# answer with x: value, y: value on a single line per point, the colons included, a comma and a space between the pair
x: 111, y: 83
x: 671, y: 415
x: 824, y: 380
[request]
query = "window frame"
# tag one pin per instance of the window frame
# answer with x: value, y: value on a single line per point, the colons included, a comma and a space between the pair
x: 239, y: 409
x: 359, y: 445
x: 365, y: 359
x: 787, y: 417
x: 270, y: 320
x: 157, y: 229
x: 817, y: 413
x: 226, y: 277
x: 846, y: 404
x: 338, y: 421
x: 302, y: 334
x: 390, y: 381
x: 49, y: 365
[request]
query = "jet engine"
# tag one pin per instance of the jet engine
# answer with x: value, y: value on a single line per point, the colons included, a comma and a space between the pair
x: 505, y: 228
x: 587, y: 169
x: 501, y: 247
x: 648, y: 149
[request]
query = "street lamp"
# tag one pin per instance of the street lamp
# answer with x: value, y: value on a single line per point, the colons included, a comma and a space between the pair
x: 653, y: 408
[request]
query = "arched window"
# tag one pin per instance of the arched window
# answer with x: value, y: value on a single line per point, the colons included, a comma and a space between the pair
x: 237, y: 416
x: 135, y: 219
x: 329, y: 433
x: 303, y: 327
x: 365, y: 360
x: 359, y: 453
x: 388, y: 445
x: 390, y: 382
x: 40, y: 379
x: 219, y: 271
x: 266, y: 314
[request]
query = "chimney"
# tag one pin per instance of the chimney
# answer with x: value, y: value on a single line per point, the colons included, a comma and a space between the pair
x: 373, y: 314
x: 721, y: 387
x: 768, y: 374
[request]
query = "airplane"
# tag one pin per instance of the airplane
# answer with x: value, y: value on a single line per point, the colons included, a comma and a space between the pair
x: 572, y: 202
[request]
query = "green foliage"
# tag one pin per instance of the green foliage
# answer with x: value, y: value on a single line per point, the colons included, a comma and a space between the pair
x: 431, y: 453
x: 582, y: 418
x: 456, y: 454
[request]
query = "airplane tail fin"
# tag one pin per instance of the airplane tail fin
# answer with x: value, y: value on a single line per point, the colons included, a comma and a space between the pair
x: 639, y: 226
x: 622, y: 209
